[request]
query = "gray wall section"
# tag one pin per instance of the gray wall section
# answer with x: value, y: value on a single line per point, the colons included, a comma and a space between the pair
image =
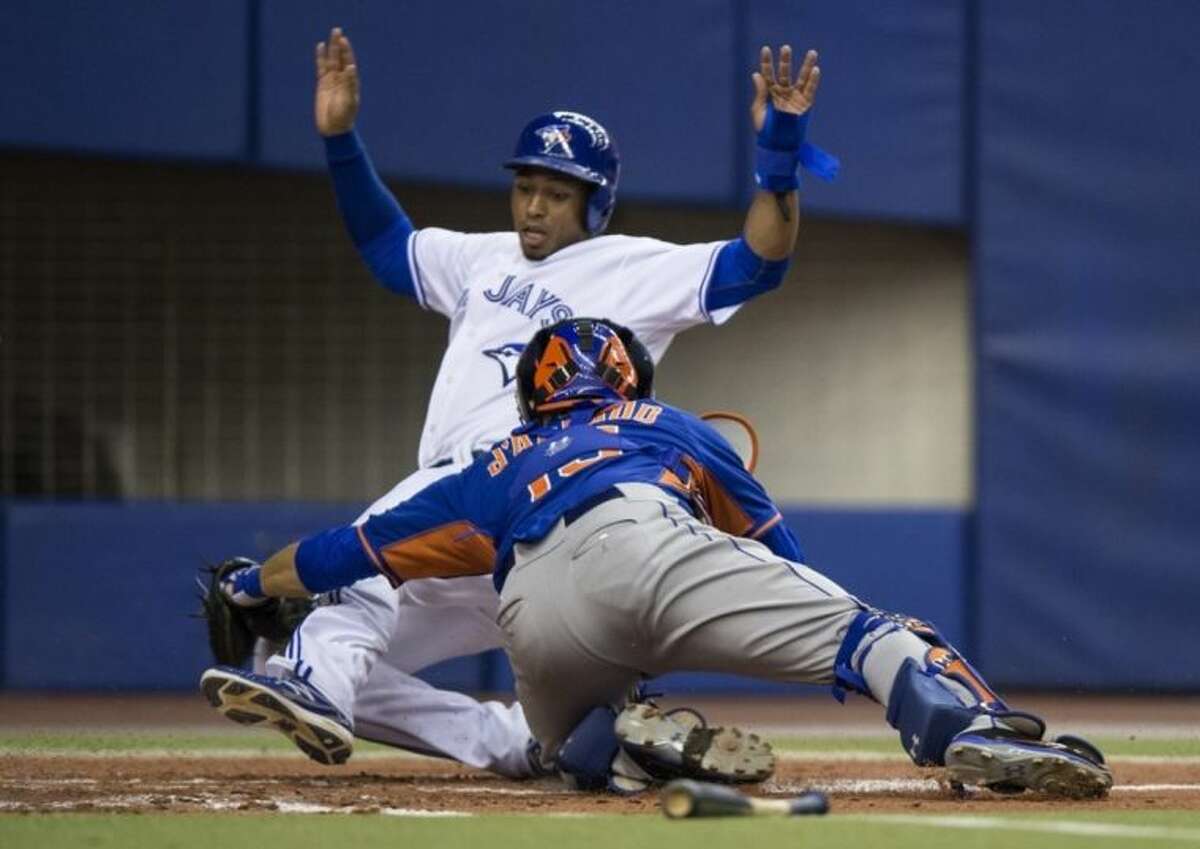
x: 856, y: 372
x: 206, y: 333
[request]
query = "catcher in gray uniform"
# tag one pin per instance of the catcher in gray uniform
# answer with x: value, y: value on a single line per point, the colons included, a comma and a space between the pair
x: 627, y: 539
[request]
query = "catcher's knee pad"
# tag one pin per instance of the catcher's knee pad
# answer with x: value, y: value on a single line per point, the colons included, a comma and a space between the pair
x: 586, y: 757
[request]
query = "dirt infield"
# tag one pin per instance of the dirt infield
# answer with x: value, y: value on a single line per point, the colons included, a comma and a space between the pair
x: 169, y: 784
x: 36, y: 782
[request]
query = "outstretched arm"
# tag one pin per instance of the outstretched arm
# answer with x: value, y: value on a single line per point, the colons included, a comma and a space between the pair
x: 757, y: 262
x: 376, y: 223
x: 778, y: 114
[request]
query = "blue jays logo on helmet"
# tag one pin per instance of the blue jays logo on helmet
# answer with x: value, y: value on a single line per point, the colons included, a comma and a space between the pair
x: 556, y: 140
x: 571, y: 143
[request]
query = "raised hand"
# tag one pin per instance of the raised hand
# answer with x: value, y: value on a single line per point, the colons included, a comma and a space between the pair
x: 787, y: 95
x: 337, y: 85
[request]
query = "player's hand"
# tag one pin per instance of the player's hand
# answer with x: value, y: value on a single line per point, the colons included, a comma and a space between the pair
x: 787, y: 95
x: 337, y: 85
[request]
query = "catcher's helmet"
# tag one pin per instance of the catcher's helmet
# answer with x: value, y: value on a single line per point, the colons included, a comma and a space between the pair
x: 578, y: 146
x: 578, y: 361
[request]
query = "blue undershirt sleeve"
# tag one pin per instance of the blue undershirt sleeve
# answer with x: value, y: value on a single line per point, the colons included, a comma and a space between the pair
x: 739, y: 274
x: 377, y: 224
x: 332, y: 559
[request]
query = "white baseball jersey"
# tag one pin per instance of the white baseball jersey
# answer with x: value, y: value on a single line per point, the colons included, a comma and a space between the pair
x: 496, y: 299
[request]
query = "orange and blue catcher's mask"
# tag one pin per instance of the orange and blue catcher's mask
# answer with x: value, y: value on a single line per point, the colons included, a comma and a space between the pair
x: 582, y: 359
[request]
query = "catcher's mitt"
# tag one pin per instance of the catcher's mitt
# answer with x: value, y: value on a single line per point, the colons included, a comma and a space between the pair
x: 232, y: 629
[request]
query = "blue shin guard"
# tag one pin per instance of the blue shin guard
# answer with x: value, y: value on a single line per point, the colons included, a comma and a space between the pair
x: 926, y: 714
x: 585, y: 759
x: 935, y: 693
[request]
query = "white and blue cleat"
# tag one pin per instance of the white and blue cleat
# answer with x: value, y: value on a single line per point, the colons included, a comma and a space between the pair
x: 1068, y: 767
x: 290, y: 706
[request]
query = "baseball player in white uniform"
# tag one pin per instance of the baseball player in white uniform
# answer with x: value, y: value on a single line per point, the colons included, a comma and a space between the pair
x: 355, y: 659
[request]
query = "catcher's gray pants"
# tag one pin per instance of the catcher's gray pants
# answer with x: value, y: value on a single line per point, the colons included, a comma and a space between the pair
x: 638, y: 586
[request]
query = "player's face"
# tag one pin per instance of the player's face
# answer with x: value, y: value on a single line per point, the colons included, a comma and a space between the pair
x: 548, y: 211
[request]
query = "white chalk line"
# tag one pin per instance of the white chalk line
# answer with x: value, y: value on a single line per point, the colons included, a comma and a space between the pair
x: 881, y: 786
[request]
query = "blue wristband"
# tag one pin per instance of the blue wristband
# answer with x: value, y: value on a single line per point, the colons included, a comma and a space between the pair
x: 782, y: 151
x: 783, y: 130
x: 776, y: 170
x: 249, y: 581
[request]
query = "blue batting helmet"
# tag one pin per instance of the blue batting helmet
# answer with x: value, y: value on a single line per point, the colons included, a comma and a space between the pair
x: 578, y: 146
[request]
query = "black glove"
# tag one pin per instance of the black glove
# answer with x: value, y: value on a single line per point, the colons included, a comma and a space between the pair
x: 232, y: 628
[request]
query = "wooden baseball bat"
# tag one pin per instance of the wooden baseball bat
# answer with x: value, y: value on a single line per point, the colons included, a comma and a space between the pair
x: 685, y: 798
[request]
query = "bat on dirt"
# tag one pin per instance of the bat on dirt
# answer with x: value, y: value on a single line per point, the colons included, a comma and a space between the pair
x: 684, y: 798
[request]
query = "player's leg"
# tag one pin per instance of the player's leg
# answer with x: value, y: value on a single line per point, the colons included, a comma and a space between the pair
x: 401, y: 710
x: 948, y: 715
x: 726, y: 604
x: 572, y: 698
x: 312, y: 684
x: 398, y: 708
x: 558, y: 632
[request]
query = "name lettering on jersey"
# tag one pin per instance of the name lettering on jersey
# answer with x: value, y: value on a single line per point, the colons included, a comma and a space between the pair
x: 510, y: 447
x: 636, y: 411
x: 546, y: 306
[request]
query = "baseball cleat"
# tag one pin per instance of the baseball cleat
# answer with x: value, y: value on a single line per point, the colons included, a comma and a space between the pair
x: 295, y: 709
x: 679, y: 744
x: 1008, y: 764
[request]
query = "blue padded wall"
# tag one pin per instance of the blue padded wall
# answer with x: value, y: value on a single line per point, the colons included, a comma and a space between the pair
x: 97, y: 596
x: 140, y: 78
x: 890, y: 104
x: 1088, y: 319
x: 448, y: 86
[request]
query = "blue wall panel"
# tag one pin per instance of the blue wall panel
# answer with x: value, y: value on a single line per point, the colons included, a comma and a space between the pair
x: 98, y: 595
x: 447, y: 86
x: 1089, y: 335
x: 138, y: 78
x: 890, y: 104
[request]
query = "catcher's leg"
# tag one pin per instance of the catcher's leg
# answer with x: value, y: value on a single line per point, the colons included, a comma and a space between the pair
x: 562, y: 636
x: 947, y: 714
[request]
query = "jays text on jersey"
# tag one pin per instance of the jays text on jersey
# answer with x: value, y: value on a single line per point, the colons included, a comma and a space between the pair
x: 468, y: 523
